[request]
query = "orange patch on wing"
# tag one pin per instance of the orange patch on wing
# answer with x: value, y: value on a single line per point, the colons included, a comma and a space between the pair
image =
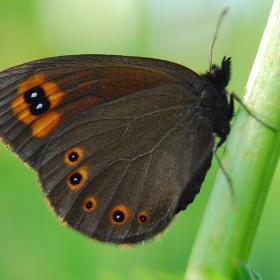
x: 52, y: 93
x: 45, y: 124
x: 82, y: 171
x: 33, y: 81
x: 22, y: 112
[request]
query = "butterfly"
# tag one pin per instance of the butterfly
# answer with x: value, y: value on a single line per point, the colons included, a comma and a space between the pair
x: 120, y: 144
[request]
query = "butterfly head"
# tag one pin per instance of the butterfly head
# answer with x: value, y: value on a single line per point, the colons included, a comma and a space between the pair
x: 219, y: 76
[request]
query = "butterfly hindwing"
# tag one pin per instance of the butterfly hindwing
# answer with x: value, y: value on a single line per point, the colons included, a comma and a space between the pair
x: 135, y: 161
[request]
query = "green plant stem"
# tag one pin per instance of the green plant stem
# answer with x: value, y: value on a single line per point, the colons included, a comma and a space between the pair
x: 229, y: 225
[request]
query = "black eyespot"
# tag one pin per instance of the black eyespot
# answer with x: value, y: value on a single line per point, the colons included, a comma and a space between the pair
x: 75, y: 178
x: 38, y: 101
x: 143, y: 217
x: 40, y: 107
x: 90, y: 204
x: 73, y: 156
x: 33, y: 95
x: 118, y: 216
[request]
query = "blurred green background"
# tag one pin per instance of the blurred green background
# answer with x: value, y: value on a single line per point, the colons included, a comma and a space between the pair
x: 33, y: 244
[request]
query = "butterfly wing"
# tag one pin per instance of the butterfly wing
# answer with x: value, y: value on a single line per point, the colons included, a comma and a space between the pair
x: 115, y: 140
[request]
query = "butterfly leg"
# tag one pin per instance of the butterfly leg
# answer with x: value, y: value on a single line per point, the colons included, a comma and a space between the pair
x: 234, y: 96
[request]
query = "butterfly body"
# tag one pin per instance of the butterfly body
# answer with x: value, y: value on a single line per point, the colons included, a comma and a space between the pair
x: 120, y: 144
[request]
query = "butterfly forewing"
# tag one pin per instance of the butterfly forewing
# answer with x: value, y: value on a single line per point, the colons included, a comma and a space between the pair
x: 72, y: 84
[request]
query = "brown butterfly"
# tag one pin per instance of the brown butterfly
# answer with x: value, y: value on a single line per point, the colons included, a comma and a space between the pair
x: 121, y: 144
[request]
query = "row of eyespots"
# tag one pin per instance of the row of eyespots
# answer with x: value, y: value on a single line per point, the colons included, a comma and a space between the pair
x: 118, y: 214
x: 36, y: 96
x: 76, y: 179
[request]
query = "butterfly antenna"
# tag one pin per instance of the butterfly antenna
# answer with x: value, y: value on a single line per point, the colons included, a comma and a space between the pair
x: 216, y: 34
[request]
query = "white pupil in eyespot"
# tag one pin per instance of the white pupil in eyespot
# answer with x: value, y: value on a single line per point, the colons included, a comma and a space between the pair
x: 34, y: 94
x: 39, y: 106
